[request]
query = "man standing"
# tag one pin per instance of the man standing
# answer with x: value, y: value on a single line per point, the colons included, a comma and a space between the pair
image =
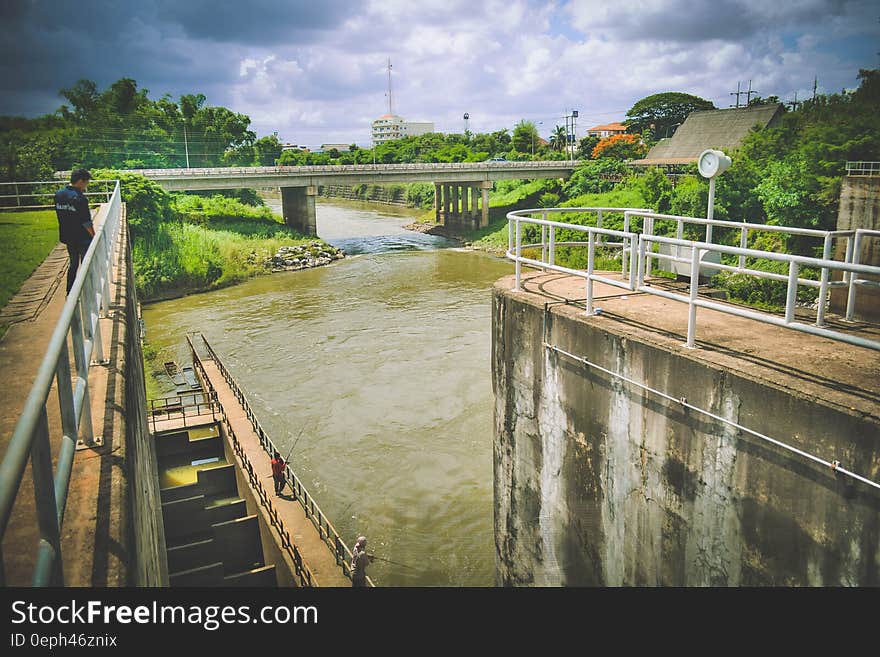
x: 75, y: 227
x: 359, y: 561
x: 278, y: 472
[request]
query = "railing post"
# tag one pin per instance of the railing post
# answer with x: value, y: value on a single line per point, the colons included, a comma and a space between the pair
x: 633, y: 266
x: 80, y: 359
x: 544, y: 239
x: 640, y: 277
x: 791, y: 292
x: 552, y: 252
x: 48, y: 571
x: 823, y: 286
x: 632, y: 247
x: 692, y: 308
x: 599, y: 225
x: 648, y: 229
x: 518, y: 254
x: 590, y: 261
x: 743, y: 236
x: 854, y: 259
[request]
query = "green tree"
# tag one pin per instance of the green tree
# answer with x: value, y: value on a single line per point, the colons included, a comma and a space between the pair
x: 658, y: 112
x: 558, y: 138
x: 525, y: 137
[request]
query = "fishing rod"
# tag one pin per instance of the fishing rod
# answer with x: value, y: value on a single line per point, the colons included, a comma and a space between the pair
x: 299, y: 435
x: 396, y: 563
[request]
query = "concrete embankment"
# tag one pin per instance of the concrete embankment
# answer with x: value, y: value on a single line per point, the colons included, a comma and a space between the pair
x: 599, y: 481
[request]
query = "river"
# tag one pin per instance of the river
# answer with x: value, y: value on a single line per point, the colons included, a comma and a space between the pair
x: 384, y: 359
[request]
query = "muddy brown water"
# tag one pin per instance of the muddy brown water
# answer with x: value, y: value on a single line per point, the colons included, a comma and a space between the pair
x: 384, y: 358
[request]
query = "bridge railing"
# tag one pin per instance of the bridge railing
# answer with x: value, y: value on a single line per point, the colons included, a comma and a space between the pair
x: 87, y: 301
x: 640, y: 247
x: 351, y: 168
x: 313, y: 512
x: 27, y: 195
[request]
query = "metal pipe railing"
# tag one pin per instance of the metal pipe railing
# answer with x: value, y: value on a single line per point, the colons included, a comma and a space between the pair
x: 640, y: 248
x: 87, y: 302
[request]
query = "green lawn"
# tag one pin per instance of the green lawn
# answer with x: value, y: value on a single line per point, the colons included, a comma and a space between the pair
x: 26, y: 239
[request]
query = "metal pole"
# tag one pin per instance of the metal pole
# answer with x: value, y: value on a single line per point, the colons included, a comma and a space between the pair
x: 791, y: 294
x: 48, y: 570
x: 710, y: 211
x: 692, y: 308
x: 590, y: 257
x: 743, y: 234
x: 851, y: 293
x: 599, y: 225
x: 552, y: 251
x: 544, y: 239
x: 518, y: 256
x: 823, y: 287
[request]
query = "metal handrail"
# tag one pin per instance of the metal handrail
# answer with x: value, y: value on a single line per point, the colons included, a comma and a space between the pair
x: 87, y: 301
x: 179, y: 407
x: 640, y: 248
x: 37, y: 194
x: 340, y: 168
x: 326, y: 530
x: 301, y: 569
x: 861, y: 168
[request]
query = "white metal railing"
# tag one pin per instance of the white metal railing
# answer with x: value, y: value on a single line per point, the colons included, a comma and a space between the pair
x: 863, y: 168
x: 31, y: 189
x: 640, y: 250
x: 745, y: 229
x: 87, y: 301
x: 349, y: 168
x: 853, y: 255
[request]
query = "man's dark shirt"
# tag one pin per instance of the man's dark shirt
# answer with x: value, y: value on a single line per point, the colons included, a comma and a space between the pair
x: 74, y: 216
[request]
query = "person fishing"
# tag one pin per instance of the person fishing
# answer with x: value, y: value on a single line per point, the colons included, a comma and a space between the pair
x: 359, y: 562
x: 278, y: 466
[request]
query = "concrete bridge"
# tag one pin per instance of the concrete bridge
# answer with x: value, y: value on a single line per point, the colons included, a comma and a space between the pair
x: 461, y: 189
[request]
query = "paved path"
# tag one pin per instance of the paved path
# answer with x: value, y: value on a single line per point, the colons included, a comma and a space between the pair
x: 315, y: 552
x: 94, y: 525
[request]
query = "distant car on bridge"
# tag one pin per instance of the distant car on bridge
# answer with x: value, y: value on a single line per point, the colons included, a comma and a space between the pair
x: 497, y: 159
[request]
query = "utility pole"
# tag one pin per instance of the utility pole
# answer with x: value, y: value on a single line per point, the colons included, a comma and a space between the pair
x: 815, y: 87
x: 185, y: 144
x: 749, y: 94
x: 793, y: 105
x: 738, y: 93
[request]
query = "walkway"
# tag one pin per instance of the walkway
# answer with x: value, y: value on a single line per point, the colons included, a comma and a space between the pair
x: 316, y: 553
x: 93, y: 539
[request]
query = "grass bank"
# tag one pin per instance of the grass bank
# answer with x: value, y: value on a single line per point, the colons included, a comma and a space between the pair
x: 27, y: 238
x: 214, y: 242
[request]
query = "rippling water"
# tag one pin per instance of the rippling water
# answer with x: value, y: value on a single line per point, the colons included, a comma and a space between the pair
x: 384, y: 359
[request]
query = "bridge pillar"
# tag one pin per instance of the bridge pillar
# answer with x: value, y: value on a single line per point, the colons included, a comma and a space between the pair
x: 475, y: 205
x: 447, y: 201
x: 465, y: 202
x: 438, y: 201
x: 486, y: 186
x: 456, y: 200
x: 298, y: 208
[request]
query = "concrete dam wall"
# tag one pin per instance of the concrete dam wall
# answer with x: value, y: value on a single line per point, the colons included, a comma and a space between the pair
x: 599, y: 482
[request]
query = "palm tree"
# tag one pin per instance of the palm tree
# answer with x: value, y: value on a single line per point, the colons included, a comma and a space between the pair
x: 558, y: 138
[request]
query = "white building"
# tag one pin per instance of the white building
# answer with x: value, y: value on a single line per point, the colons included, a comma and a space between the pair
x: 390, y: 126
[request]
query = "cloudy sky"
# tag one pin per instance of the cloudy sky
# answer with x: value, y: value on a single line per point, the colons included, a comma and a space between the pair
x: 315, y: 72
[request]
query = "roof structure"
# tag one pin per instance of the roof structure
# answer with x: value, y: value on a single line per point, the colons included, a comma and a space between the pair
x: 608, y: 127
x: 723, y: 129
